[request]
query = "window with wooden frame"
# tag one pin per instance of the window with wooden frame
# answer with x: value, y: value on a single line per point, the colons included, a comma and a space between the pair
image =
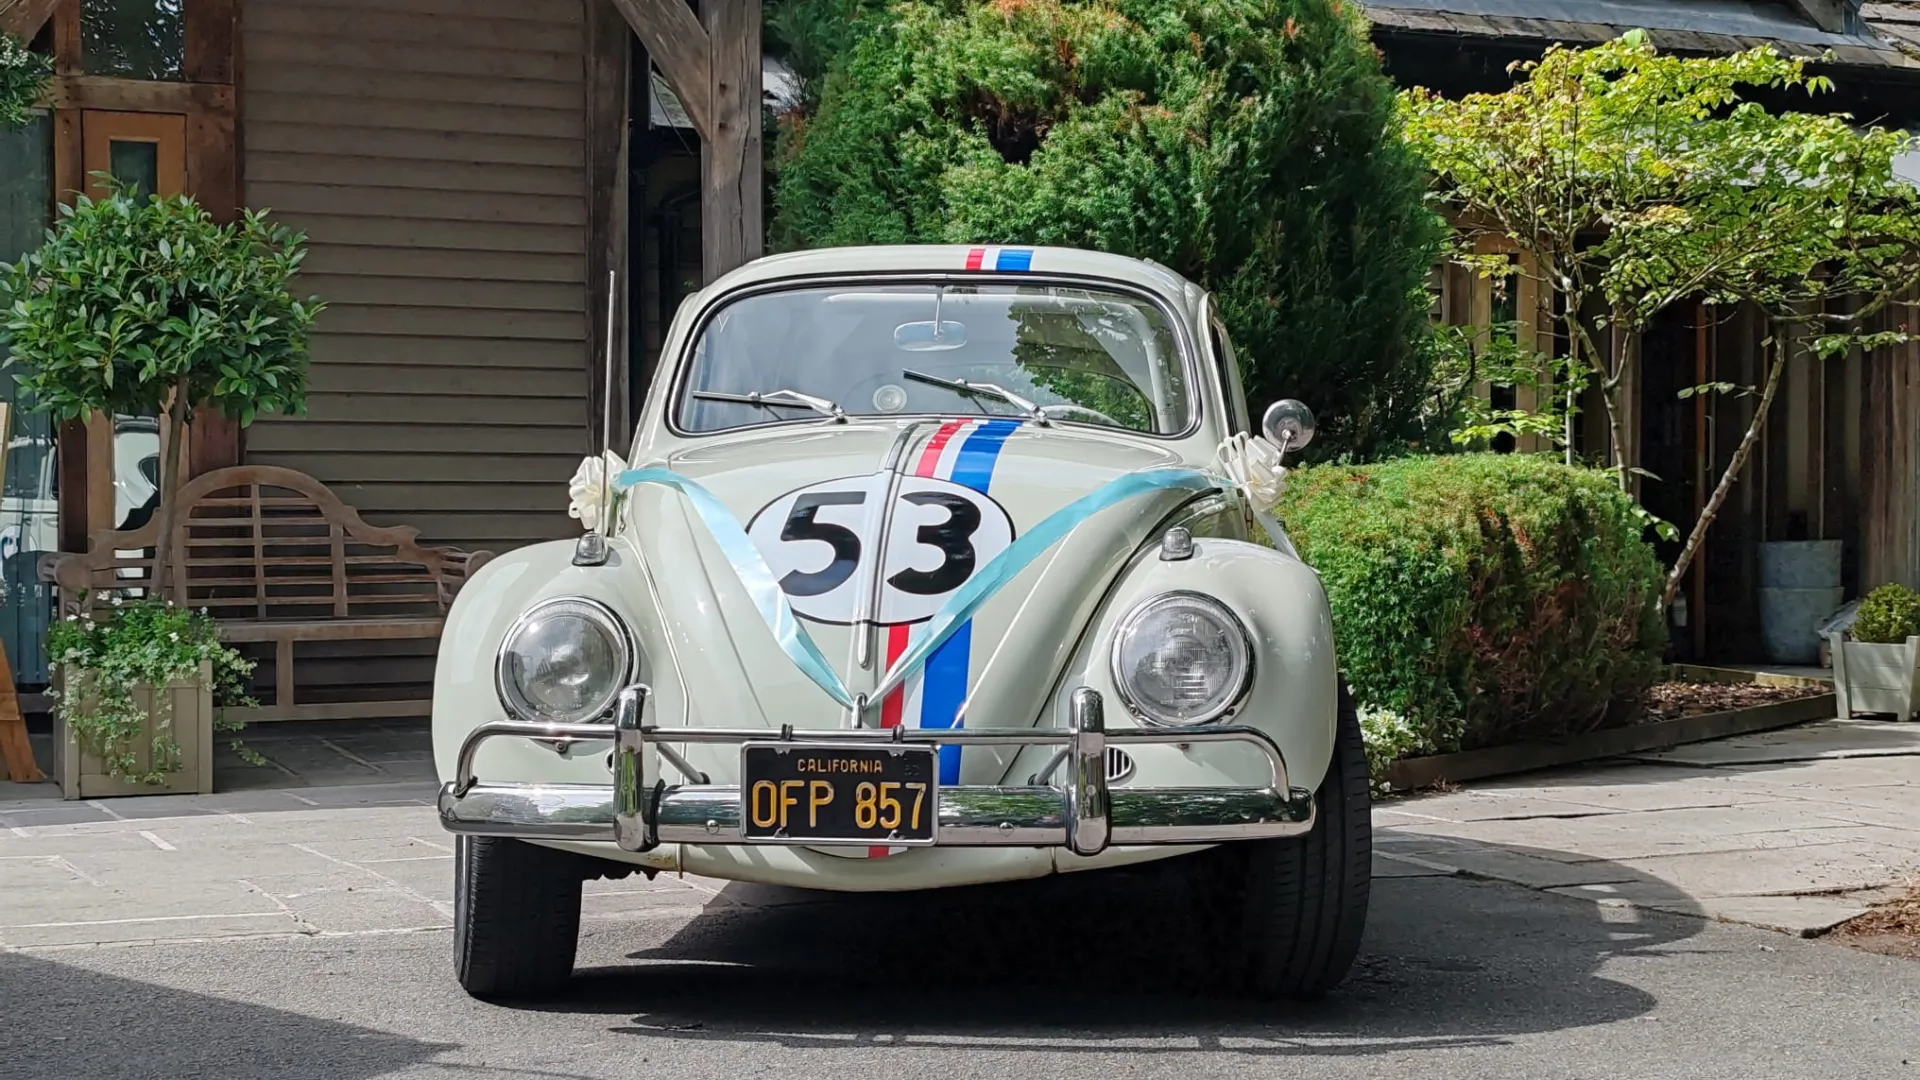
x: 143, y: 91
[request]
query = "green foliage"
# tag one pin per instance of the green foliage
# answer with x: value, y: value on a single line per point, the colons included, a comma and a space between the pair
x: 1468, y: 360
x: 23, y: 81
x: 1247, y: 146
x: 1636, y: 180
x: 1632, y: 181
x: 1483, y: 598
x: 133, y: 644
x: 1888, y: 615
x: 1388, y: 737
x: 126, y: 301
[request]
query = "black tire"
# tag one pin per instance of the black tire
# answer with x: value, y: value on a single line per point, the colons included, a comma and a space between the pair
x: 516, y: 917
x: 1301, y: 903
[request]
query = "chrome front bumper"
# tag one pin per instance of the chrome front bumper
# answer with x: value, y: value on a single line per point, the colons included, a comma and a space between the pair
x: 639, y: 812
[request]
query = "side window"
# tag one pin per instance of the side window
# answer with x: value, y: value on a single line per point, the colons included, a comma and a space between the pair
x: 1236, y: 394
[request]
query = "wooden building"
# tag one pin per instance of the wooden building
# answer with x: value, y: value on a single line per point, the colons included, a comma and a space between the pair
x: 461, y: 169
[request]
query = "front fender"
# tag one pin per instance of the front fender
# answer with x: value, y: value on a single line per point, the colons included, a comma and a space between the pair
x: 1294, y: 695
x: 464, y: 688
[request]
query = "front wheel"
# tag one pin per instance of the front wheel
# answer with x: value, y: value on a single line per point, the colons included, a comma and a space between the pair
x: 1296, y: 908
x: 516, y: 917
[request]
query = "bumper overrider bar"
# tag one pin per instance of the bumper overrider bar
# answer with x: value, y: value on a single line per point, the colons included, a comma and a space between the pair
x: 640, y: 812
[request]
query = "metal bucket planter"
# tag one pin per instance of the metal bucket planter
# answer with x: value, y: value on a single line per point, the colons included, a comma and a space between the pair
x: 83, y: 775
x: 1876, y: 678
x: 1799, y: 588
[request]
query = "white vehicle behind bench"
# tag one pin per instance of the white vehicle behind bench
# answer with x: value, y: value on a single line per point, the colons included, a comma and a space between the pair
x: 933, y: 566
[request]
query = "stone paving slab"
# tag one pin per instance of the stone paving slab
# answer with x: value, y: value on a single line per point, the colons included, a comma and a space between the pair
x: 1796, y: 830
x: 1521, y: 869
x: 1801, y: 916
x: 1828, y: 868
x: 1830, y: 739
x: 1625, y: 787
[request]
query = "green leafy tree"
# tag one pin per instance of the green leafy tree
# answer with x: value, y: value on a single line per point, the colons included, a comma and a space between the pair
x: 1635, y: 180
x: 23, y: 81
x: 1248, y: 146
x: 152, y: 307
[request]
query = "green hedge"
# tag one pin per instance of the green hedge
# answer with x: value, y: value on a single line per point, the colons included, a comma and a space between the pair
x: 1483, y: 598
x: 1248, y: 146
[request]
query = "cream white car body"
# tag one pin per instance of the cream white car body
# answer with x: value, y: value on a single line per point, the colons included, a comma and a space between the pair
x: 709, y: 660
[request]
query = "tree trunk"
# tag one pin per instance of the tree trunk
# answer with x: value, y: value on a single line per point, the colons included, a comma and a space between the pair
x: 1721, y: 490
x: 172, y: 442
x: 1610, y: 393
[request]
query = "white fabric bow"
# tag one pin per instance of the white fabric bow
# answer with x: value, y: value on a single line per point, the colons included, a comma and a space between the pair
x: 585, y: 489
x: 1253, y: 464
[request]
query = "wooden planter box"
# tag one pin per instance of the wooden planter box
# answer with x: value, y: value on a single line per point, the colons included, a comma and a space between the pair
x: 1876, y: 678
x: 82, y: 776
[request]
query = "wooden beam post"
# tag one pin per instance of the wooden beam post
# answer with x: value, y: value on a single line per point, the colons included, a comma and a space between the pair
x: 214, y: 179
x: 24, y: 18
x: 715, y: 72
x: 677, y: 43
x: 608, y: 91
x: 731, y: 194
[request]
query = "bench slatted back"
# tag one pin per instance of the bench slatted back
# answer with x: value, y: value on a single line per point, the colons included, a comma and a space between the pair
x: 259, y: 542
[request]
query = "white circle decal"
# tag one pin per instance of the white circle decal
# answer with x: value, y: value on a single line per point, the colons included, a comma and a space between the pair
x: 820, y: 542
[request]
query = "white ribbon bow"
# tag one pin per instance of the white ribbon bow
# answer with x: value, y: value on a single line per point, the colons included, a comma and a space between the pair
x: 587, y: 490
x: 1253, y: 464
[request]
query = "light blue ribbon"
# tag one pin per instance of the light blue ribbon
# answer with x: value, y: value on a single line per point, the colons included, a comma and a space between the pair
x: 1005, y: 566
x: 754, y: 573
x: 758, y: 580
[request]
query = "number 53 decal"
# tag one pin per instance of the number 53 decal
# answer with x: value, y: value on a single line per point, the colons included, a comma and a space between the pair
x: 820, y: 541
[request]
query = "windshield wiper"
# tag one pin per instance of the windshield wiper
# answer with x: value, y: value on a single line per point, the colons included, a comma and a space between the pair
x: 976, y: 389
x: 778, y: 399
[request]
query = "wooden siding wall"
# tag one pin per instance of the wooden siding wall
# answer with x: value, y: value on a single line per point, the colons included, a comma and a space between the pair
x: 434, y: 152
x: 1890, y: 460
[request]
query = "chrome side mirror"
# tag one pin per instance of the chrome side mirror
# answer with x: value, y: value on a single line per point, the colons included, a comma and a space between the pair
x: 1288, y: 424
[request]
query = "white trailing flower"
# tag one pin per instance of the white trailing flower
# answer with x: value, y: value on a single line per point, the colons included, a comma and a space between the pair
x: 1253, y: 464
x: 585, y: 489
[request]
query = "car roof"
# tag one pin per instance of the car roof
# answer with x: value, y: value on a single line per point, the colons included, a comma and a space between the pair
x: 963, y: 258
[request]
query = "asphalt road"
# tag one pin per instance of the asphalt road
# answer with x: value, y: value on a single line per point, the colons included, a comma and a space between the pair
x: 1064, y: 979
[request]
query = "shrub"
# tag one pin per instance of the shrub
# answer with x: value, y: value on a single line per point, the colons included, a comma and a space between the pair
x: 1250, y: 147
x: 23, y: 81
x: 1483, y: 598
x: 1887, y: 615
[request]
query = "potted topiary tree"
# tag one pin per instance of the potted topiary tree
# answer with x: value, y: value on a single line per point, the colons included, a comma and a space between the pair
x: 150, y: 307
x: 1876, y: 665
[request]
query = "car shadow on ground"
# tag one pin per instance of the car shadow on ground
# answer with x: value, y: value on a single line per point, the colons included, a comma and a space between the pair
x: 64, y: 1020
x: 1085, y: 962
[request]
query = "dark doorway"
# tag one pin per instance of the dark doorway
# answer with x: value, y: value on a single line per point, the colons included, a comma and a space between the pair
x: 1671, y: 354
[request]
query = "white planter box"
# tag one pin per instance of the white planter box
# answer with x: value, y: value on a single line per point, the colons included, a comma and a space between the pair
x: 84, y: 776
x: 1876, y: 678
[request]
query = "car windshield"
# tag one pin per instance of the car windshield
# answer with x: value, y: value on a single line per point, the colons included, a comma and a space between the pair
x: 1070, y: 354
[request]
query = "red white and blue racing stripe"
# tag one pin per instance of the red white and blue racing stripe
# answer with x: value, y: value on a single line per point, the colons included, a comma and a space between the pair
x: 1000, y: 259
x: 962, y: 452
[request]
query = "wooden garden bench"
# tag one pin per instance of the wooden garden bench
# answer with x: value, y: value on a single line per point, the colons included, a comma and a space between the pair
x: 279, y: 560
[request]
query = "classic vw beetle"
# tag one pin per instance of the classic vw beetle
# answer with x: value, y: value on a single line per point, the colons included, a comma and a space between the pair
x: 934, y: 566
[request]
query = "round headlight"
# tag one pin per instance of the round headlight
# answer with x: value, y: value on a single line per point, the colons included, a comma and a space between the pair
x: 564, y: 662
x: 1181, y: 658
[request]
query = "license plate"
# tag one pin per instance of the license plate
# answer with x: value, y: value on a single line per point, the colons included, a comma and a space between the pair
x: 817, y: 794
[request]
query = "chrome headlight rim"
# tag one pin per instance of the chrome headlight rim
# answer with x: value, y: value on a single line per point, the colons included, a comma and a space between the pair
x: 1131, y: 623
x: 594, y: 611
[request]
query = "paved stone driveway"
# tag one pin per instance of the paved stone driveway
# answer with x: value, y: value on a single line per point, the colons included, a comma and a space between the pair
x: 1796, y: 830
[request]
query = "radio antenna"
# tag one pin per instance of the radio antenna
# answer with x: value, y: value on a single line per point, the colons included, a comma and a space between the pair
x: 592, y: 550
